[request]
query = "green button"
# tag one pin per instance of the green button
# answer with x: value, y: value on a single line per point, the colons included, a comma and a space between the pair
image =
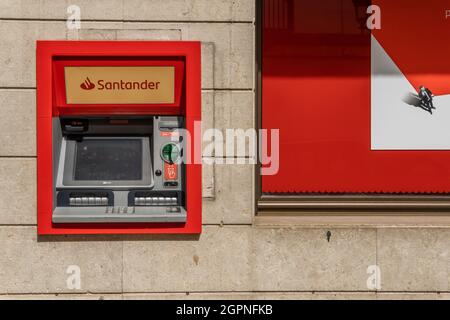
x: 170, y: 153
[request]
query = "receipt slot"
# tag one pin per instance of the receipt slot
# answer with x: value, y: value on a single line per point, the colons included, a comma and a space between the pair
x: 118, y: 137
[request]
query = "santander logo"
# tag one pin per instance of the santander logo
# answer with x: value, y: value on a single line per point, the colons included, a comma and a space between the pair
x: 120, y: 85
x: 87, y: 84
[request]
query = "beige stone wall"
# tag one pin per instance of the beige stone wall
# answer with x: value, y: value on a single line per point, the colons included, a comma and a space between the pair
x: 232, y: 258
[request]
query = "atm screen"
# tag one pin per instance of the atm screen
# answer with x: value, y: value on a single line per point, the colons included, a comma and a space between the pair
x: 110, y: 162
x: 108, y: 159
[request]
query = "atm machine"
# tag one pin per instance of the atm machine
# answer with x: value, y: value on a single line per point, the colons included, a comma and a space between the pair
x: 118, y: 169
x: 117, y: 149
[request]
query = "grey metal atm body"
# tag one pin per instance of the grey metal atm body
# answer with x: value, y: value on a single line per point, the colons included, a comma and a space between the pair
x: 118, y: 170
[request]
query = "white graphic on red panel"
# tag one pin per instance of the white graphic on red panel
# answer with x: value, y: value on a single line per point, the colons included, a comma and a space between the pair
x: 410, y: 78
x: 399, y: 121
x: 170, y: 171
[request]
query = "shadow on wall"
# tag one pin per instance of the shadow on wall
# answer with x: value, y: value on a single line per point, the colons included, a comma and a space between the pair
x: 412, y: 99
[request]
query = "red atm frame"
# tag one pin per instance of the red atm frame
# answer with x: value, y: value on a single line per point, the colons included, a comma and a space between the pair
x: 51, y: 102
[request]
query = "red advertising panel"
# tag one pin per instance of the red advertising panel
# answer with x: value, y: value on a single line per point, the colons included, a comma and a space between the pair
x: 360, y: 91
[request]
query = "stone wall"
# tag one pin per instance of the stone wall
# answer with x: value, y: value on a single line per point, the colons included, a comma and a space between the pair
x: 232, y: 258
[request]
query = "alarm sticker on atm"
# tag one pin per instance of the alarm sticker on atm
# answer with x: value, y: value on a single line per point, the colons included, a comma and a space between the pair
x: 119, y: 84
